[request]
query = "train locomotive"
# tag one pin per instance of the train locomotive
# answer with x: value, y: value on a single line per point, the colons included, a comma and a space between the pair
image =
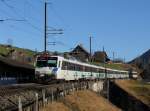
x: 58, y: 68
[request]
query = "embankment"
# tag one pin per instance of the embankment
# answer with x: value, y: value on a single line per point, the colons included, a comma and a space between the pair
x: 82, y: 101
x: 130, y: 95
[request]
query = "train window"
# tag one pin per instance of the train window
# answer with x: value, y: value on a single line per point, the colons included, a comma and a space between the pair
x: 77, y: 68
x: 70, y: 66
x: 73, y: 67
x: 41, y: 63
x: 52, y: 63
x: 83, y: 68
x: 80, y: 68
x: 64, y: 65
x: 88, y: 69
x: 46, y: 62
x: 93, y: 69
x: 108, y: 72
x: 102, y: 70
x: 97, y: 70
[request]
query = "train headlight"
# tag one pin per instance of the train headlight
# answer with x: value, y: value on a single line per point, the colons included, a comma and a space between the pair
x: 41, y: 75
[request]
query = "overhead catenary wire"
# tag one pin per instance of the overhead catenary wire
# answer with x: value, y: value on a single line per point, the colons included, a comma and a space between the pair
x: 41, y: 1
x: 33, y: 8
x: 27, y: 21
x: 10, y: 19
x: 60, y: 18
x: 20, y: 29
x: 14, y: 26
x: 52, y: 31
x: 5, y: 12
x: 22, y: 42
x: 27, y: 31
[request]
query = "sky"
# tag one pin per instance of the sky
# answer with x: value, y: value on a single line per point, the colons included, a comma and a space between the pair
x: 120, y: 26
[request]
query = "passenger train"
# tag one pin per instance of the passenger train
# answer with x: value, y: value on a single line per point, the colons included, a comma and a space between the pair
x: 59, y: 68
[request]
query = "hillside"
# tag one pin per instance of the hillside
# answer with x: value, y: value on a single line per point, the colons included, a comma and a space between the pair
x: 143, y: 59
x: 121, y: 66
x: 143, y: 62
x: 16, y: 53
x: 82, y: 101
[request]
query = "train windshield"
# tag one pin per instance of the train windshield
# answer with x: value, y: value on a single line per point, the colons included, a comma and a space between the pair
x: 46, y: 62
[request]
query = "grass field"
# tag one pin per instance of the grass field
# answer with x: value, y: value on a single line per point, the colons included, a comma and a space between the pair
x: 4, y: 50
x: 121, y: 66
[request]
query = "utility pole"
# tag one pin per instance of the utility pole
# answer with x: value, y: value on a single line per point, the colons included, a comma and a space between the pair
x: 113, y: 56
x: 45, y: 28
x: 124, y: 60
x: 106, y: 75
x: 47, y: 32
x: 103, y: 49
x: 105, y: 63
x: 90, y: 49
x: 91, y: 55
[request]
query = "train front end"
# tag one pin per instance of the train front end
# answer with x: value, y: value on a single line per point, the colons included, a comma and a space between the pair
x: 46, y: 68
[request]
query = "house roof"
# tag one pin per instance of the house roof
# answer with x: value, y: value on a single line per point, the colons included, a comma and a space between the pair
x: 81, y: 47
x: 101, y: 52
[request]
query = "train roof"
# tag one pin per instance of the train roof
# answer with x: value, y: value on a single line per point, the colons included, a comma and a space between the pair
x: 88, y: 65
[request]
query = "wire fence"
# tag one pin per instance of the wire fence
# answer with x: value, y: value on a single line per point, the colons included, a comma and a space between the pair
x: 33, y: 97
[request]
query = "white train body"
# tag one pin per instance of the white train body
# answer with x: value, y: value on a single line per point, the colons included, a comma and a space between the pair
x: 56, y: 67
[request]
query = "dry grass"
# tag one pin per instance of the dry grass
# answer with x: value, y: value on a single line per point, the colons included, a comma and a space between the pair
x: 82, y: 101
x: 138, y: 89
x: 88, y: 101
x: 56, y: 106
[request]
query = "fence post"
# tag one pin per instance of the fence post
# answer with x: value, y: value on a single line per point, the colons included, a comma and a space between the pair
x: 36, y: 102
x: 64, y: 92
x: 19, y: 104
x: 57, y: 93
x: 72, y: 87
x: 44, y: 100
x: 83, y: 85
x: 52, y: 96
x: 87, y: 85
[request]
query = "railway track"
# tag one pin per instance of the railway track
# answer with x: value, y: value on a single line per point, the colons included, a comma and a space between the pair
x: 9, y: 95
